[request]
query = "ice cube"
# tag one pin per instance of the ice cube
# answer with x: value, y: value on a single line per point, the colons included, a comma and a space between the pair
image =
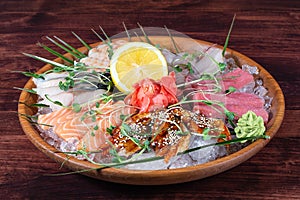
x: 153, y: 165
x: 251, y: 69
x: 206, y: 154
x: 181, y: 161
x: 260, y: 91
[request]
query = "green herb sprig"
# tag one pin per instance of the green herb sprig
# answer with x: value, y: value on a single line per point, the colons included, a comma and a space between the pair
x: 108, y: 42
x: 228, y: 36
x: 121, y: 162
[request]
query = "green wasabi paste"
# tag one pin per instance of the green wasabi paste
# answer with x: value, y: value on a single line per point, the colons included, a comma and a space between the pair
x: 249, y: 125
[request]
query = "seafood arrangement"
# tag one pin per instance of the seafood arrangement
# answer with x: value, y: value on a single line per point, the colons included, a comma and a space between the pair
x: 142, y: 105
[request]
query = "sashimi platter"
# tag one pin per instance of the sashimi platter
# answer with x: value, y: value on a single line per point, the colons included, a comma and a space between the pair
x: 149, y: 106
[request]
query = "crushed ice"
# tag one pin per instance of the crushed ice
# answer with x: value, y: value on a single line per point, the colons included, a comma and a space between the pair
x: 193, y: 158
x: 251, y: 69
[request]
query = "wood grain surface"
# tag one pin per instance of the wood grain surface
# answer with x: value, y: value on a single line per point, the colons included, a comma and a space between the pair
x: 266, y: 31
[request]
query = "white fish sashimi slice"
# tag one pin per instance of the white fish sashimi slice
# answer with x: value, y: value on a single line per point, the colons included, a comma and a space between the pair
x: 50, y: 91
x: 50, y: 76
x: 65, y: 98
x: 83, y: 97
x: 49, y: 83
x: 206, y: 64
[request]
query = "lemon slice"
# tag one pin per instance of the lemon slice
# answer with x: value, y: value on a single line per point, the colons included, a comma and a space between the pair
x: 135, y: 61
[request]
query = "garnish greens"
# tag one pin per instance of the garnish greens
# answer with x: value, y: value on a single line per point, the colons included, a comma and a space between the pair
x: 228, y: 35
x: 121, y: 162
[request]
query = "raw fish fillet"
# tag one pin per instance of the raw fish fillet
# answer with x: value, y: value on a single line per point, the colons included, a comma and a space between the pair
x: 80, y: 126
x: 236, y: 102
x: 237, y: 79
x: 110, y: 116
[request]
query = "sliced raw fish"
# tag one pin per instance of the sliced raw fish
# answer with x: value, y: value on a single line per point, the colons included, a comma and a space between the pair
x: 55, y: 75
x: 236, y: 102
x: 96, y: 62
x: 80, y: 126
x: 66, y: 123
x: 109, y: 115
x: 85, y: 96
x: 48, y: 83
x: 240, y: 98
x: 50, y: 91
x: 50, y: 76
x: 64, y: 98
x: 206, y: 63
x: 240, y: 110
x: 237, y: 79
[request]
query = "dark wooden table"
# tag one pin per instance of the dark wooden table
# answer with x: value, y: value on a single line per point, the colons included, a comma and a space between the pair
x: 266, y: 31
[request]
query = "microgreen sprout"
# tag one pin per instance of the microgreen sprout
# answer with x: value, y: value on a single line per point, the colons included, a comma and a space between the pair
x: 67, y: 84
x: 55, y: 53
x: 145, y: 35
x: 228, y: 35
x: 66, y: 47
x: 26, y: 90
x: 137, y: 35
x: 31, y: 74
x: 110, y: 129
x: 121, y: 161
x: 206, y: 136
x: 127, y: 33
x: 172, y: 39
x: 108, y: 42
x: 205, y: 132
x: 82, y: 41
x: 39, y: 105
x: 56, y: 64
x: 126, y: 131
x: 76, y: 107
x: 230, y: 90
x: 33, y: 119
x: 72, y: 49
x: 116, y: 157
x: 55, y: 102
x: 180, y: 67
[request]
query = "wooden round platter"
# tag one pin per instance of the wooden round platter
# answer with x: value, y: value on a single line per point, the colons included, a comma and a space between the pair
x: 169, y: 176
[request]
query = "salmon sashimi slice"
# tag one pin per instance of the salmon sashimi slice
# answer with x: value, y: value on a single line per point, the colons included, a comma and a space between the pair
x: 109, y: 115
x: 66, y: 123
x: 81, y: 126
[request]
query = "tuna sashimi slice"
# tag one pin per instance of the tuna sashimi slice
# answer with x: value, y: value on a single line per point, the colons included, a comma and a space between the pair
x: 241, y: 98
x: 237, y: 79
x: 238, y: 103
x: 240, y: 110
